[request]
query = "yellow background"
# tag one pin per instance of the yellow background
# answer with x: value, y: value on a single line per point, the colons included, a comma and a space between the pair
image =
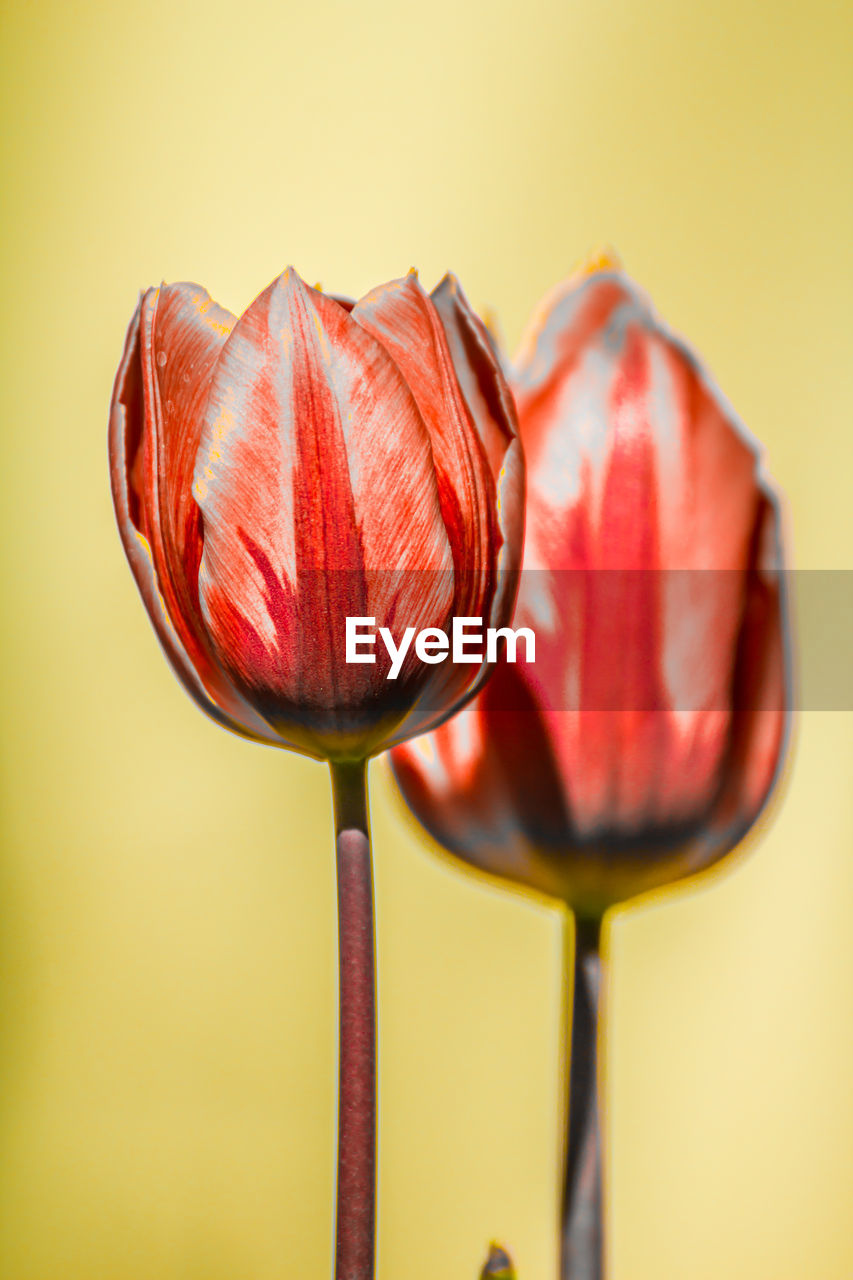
x: 167, y: 995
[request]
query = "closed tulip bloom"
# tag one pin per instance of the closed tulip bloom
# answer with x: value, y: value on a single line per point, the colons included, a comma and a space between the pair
x: 311, y: 461
x: 642, y: 742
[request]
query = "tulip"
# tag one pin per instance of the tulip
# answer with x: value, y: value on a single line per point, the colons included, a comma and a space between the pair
x: 312, y: 461
x: 273, y: 475
x: 642, y: 743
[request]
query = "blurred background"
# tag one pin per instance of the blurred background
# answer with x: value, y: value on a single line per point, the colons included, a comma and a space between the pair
x: 167, y: 919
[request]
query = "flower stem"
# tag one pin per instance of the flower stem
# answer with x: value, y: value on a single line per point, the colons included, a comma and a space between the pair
x: 356, y: 1199
x: 582, y: 1243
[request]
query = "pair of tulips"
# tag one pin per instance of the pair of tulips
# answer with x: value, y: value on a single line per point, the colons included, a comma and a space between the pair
x: 318, y: 459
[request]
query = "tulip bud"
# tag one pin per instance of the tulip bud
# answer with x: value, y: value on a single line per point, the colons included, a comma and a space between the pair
x: 311, y: 461
x: 498, y: 1265
x: 643, y: 741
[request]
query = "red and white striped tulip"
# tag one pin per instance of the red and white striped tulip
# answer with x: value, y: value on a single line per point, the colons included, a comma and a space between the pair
x: 312, y: 460
x: 644, y: 740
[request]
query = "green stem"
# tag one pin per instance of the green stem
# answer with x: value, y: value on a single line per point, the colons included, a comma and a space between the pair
x: 583, y: 1242
x: 355, y: 1221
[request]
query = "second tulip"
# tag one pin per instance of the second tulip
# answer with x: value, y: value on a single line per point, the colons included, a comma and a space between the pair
x: 644, y: 739
x: 642, y: 742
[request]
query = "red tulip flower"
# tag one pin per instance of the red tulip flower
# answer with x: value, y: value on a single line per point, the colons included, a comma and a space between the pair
x: 312, y: 461
x: 274, y: 475
x: 643, y: 741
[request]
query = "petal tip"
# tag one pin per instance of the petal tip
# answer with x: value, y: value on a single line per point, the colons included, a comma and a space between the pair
x: 603, y: 258
x: 290, y: 280
x: 448, y: 284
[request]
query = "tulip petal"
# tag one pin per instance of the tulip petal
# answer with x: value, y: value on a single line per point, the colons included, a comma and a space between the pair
x: 485, y: 535
x: 316, y: 484
x: 449, y: 687
x: 485, y: 786
x: 761, y: 694
x: 492, y: 409
x: 403, y: 318
x: 182, y: 331
x: 130, y: 437
x: 478, y: 371
x: 648, y: 495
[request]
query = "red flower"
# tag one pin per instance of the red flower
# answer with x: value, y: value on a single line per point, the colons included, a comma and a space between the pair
x: 314, y: 460
x: 644, y: 739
